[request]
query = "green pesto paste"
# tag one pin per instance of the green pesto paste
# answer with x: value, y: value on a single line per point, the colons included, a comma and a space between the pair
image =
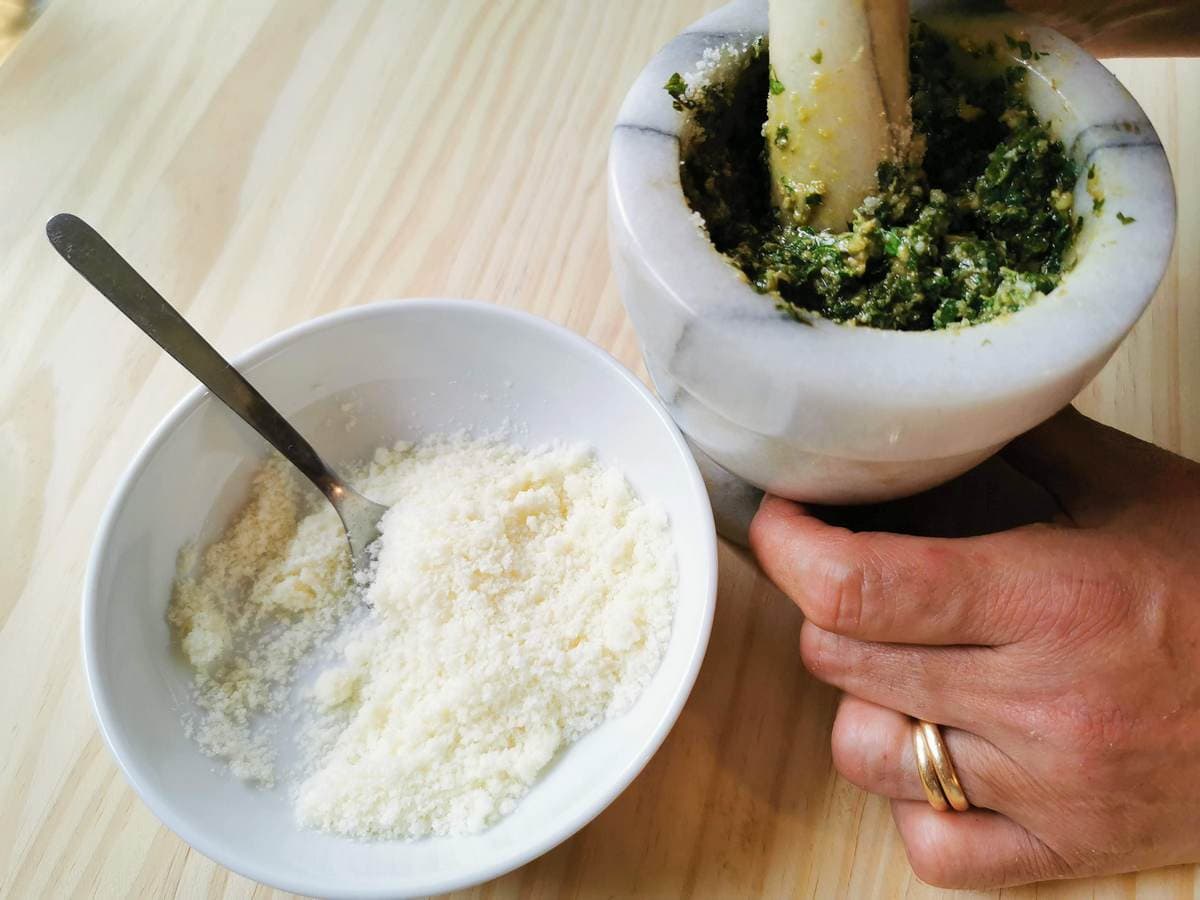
x: 976, y: 229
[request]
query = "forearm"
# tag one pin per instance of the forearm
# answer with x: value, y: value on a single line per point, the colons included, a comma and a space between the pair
x: 1123, y: 27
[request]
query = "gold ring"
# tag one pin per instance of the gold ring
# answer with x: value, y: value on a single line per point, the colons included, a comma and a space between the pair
x: 939, y: 756
x: 929, y: 779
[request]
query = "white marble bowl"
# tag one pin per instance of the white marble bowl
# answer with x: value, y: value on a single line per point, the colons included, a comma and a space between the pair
x: 833, y: 414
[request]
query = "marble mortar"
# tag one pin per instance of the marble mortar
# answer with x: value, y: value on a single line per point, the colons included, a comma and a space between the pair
x: 837, y: 415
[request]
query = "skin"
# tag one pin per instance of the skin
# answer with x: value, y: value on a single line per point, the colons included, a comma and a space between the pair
x: 1123, y: 27
x: 1061, y: 657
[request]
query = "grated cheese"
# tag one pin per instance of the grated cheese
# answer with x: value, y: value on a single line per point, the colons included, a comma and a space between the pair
x: 518, y: 599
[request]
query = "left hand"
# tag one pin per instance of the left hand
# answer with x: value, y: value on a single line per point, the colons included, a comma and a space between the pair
x: 1061, y: 660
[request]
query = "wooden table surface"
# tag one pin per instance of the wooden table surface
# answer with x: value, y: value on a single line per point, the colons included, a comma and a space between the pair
x: 265, y: 162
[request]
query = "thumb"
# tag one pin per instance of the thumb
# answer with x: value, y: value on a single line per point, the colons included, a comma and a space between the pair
x: 1096, y: 473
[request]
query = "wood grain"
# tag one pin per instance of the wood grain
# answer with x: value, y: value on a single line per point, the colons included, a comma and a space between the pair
x: 265, y: 162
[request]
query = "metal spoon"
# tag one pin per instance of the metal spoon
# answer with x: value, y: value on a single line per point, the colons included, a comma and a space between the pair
x: 105, y: 269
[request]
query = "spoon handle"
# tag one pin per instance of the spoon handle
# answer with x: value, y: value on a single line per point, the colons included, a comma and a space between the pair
x: 108, y: 272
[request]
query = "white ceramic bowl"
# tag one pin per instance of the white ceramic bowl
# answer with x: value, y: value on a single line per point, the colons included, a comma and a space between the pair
x: 848, y: 415
x: 405, y: 368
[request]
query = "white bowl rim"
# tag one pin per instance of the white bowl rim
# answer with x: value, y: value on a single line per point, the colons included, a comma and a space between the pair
x: 163, y: 807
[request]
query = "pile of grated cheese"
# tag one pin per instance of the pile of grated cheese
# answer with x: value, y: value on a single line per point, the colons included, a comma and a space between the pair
x: 246, y: 612
x: 518, y: 599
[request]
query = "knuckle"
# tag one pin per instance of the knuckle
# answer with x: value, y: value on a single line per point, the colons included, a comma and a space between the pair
x: 860, y: 756
x: 838, y: 595
x: 937, y: 562
x: 847, y: 755
x: 930, y: 862
x: 760, y: 537
x: 936, y: 872
x: 819, y: 650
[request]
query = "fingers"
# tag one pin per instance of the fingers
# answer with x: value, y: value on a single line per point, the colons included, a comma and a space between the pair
x: 873, y: 748
x: 952, y: 685
x: 974, y: 849
x: 991, y: 498
x: 898, y: 588
x: 1095, y: 472
x: 980, y: 848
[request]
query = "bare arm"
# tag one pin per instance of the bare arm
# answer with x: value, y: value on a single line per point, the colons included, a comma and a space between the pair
x: 1123, y: 27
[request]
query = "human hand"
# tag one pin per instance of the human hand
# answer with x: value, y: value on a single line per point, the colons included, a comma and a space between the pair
x: 1123, y: 27
x: 1061, y: 659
